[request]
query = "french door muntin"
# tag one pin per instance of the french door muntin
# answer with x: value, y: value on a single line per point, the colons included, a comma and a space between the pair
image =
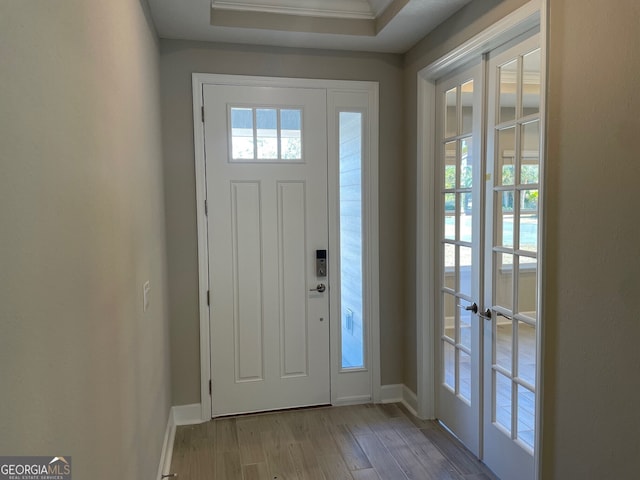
x: 459, y: 232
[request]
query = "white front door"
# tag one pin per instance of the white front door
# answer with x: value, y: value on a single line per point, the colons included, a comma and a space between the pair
x: 266, y: 186
x: 458, y: 208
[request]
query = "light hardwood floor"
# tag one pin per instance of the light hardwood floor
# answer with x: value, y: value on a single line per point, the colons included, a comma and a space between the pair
x: 363, y: 442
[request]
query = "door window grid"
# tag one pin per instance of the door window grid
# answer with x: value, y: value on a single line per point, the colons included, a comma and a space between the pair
x: 515, y: 247
x: 265, y: 134
x: 456, y: 245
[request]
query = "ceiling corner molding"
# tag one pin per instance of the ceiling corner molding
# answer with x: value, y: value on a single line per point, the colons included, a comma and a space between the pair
x: 391, y: 9
x: 292, y: 23
x: 344, y: 9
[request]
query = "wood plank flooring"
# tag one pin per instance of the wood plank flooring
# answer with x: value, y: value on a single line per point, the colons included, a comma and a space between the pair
x: 362, y: 442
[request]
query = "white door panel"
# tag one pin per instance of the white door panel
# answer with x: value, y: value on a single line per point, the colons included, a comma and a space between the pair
x: 267, y: 197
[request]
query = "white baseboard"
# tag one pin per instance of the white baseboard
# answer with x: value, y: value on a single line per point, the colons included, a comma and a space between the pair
x: 353, y: 400
x: 179, y: 415
x: 187, y: 414
x: 410, y: 400
x: 167, y: 447
x: 399, y: 393
x: 391, y: 393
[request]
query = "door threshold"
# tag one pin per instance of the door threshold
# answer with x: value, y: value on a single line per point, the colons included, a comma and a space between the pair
x: 274, y: 410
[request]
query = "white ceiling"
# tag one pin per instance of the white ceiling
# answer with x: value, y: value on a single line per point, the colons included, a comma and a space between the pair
x: 365, y: 25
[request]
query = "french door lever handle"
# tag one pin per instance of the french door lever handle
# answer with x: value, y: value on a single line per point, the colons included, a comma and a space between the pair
x: 321, y: 287
x: 471, y: 308
x: 486, y: 315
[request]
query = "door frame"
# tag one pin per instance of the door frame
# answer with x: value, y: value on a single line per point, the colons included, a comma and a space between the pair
x: 370, y: 221
x: 531, y: 15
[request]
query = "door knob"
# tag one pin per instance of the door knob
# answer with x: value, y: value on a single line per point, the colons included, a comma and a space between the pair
x: 321, y: 287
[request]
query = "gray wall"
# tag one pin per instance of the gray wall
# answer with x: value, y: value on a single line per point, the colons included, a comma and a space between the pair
x: 592, y: 361
x: 179, y: 59
x: 83, y: 371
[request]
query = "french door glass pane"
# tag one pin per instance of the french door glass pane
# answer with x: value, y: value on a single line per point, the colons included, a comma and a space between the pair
x: 530, y: 153
x: 527, y: 353
x: 506, y: 156
x: 502, y: 406
x: 450, y: 216
x: 529, y: 231
x: 451, y: 113
x: 466, y: 101
x: 466, y: 271
x: 464, y: 362
x: 527, y: 287
x: 351, y: 291
x: 526, y: 415
x: 450, y: 165
x: 504, y: 344
x: 449, y: 317
x: 504, y: 219
x: 466, y: 165
x: 531, y: 83
x: 508, y: 74
x: 465, y: 327
x: 465, y: 216
x: 503, y: 285
x: 528, y: 220
x: 449, y: 365
x: 450, y: 271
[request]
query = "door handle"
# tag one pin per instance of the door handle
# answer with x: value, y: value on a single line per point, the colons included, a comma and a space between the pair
x: 321, y: 287
x: 471, y: 308
x: 486, y: 314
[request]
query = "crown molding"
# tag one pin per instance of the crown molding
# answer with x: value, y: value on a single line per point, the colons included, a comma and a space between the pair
x: 346, y: 9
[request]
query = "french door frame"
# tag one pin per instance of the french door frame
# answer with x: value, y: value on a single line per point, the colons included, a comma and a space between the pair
x: 529, y: 16
x: 365, y: 99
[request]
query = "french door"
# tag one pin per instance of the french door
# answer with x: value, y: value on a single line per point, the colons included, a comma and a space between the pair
x: 459, y: 231
x: 511, y: 260
x: 488, y: 191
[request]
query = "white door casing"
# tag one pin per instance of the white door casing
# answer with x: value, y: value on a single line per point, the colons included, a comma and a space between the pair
x: 346, y: 386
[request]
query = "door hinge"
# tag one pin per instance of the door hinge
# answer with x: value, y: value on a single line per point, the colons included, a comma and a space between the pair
x: 209, y: 387
x: 208, y: 299
x: 206, y: 208
x: 202, y: 110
